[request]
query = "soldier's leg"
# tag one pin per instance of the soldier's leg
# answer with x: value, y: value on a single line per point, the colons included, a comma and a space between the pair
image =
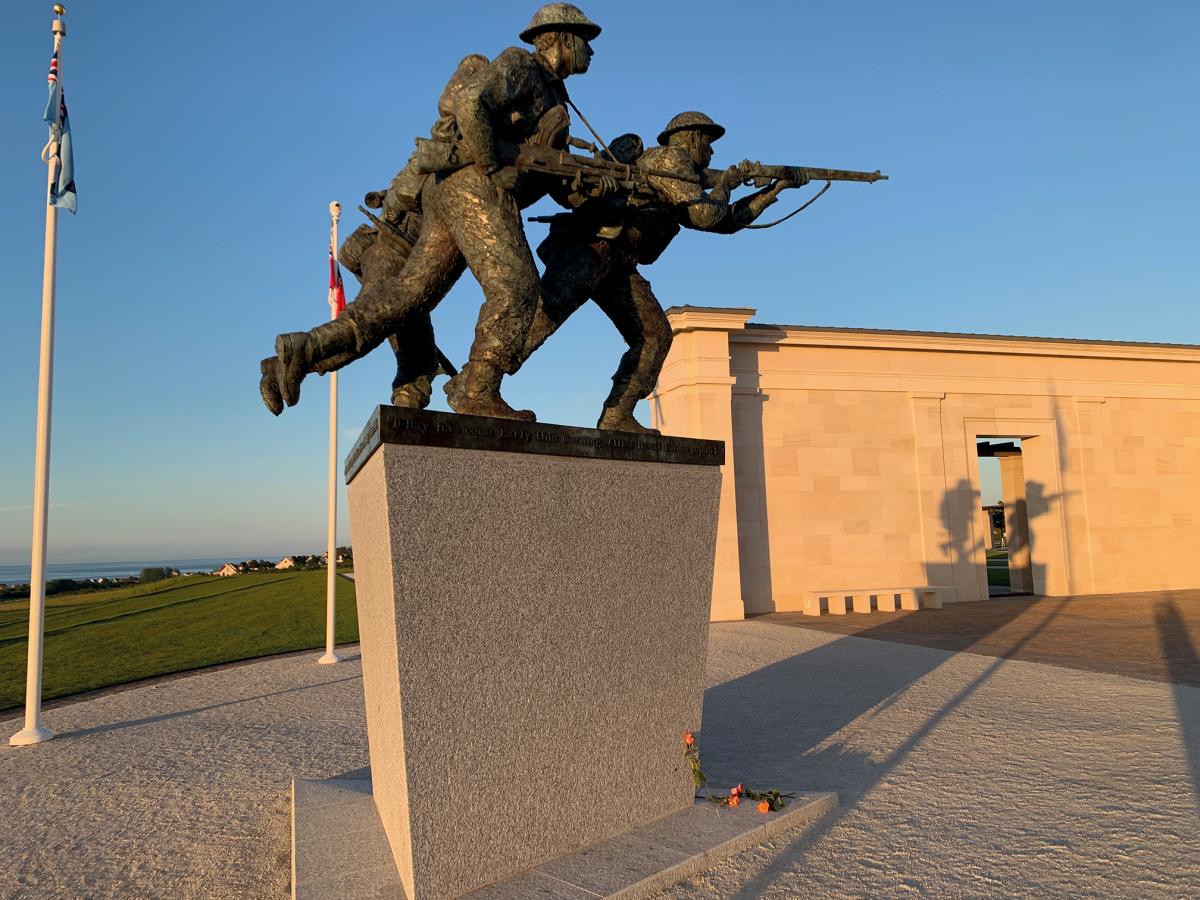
x: 486, y: 224
x: 416, y: 362
x: 383, y: 259
x: 639, y: 317
x: 431, y: 270
x: 412, y: 344
x: 574, y: 268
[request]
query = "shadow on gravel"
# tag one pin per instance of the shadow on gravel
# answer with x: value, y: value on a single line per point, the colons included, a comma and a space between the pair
x: 777, y: 726
x: 183, y: 713
x: 1182, y: 661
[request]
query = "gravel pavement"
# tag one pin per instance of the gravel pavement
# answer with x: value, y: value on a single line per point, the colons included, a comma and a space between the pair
x: 960, y: 775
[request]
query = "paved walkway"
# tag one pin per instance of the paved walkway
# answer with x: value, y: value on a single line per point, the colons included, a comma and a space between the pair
x: 1153, y: 635
x: 960, y: 775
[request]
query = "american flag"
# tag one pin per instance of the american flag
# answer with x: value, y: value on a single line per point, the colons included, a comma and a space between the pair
x: 337, y: 294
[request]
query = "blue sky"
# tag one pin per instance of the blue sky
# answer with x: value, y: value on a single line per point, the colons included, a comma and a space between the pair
x: 1042, y: 156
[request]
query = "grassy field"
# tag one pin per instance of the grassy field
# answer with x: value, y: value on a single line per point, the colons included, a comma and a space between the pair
x: 997, y: 568
x: 110, y: 637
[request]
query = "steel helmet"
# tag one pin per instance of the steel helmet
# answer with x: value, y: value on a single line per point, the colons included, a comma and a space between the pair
x: 560, y: 17
x: 691, y: 121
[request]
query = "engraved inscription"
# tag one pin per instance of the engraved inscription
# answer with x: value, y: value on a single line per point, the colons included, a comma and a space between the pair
x: 472, y: 432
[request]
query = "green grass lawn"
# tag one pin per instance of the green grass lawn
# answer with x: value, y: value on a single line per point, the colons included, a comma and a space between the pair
x: 102, y: 638
x: 997, y: 568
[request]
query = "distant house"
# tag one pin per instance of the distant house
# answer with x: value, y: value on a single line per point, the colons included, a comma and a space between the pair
x: 288, y: 562
x: 228, y: 569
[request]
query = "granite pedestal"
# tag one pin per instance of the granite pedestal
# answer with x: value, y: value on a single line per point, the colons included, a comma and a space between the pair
x: 533, y: 613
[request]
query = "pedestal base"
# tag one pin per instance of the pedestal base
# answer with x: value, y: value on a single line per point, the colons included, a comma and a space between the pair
x: 340, y: 851
x: 533, y: 615
x: 27, y: 736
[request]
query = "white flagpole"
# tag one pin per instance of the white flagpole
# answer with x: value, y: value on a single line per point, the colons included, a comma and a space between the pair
x: 335, y: 212
x: 34, y: 731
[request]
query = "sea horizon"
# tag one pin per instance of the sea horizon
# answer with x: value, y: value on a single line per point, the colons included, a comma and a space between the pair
x: 21, y: 574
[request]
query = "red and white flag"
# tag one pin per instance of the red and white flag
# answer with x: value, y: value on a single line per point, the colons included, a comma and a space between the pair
x: 337, y: 294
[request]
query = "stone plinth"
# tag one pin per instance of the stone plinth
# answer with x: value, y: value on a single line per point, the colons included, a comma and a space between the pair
x: 340, y: 852
x: 533, y: 605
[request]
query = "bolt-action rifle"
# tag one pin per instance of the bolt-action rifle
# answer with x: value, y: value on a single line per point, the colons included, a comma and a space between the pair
x: 583, y: 173
x: 760, y: 175
x: 588, y: 171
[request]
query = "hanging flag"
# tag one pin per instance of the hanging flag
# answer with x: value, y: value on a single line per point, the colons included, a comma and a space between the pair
x: 62, y: 185
x: 337, y: 294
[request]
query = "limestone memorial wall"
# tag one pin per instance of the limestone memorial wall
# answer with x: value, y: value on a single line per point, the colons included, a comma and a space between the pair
x: 851, y: 457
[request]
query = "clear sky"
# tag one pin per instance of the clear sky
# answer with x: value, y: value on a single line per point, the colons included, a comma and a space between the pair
x: 1043, y: 161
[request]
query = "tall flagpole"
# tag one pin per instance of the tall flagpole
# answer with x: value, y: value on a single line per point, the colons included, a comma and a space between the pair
x: 34, y: 731
x: 335, y: 213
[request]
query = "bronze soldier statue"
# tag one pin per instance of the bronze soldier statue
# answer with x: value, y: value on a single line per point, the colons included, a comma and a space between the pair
x: 376, y: 252
x: 594, y: 251
x: 471, y: 217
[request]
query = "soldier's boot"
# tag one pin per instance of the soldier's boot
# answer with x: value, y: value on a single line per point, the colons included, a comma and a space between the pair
x: 268, y: 385
x: 300, y: 352
x: 618, y: 412
x: 475, y: 391
x: 413, y: 395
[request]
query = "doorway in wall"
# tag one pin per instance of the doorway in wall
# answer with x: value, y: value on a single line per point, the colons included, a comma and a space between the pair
x: 1004, y: 517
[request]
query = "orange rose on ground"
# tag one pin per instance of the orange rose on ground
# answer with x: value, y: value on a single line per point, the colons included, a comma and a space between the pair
x: 764, y: 807
x: 735, y: 800
x: 688, y: 738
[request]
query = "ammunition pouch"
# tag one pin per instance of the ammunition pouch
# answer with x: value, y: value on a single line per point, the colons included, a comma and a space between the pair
x: 439, y: 157
x: 404, y: 193
x: 350, y: 254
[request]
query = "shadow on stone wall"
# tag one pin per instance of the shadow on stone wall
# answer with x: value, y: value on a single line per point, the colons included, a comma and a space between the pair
x: 957, y: 511
x: 754, y: 551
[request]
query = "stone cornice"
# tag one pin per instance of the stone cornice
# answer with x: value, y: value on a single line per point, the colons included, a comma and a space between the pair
x: 709, y: 318
x: 868, y: 339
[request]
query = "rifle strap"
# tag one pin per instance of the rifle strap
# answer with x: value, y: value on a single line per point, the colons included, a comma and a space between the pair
x: 807, y: 203
x: 583, y: 118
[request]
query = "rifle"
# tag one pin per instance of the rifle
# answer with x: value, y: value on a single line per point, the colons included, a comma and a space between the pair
x: 582, y: 172
x: 760, y: 175
x: 404, y: 239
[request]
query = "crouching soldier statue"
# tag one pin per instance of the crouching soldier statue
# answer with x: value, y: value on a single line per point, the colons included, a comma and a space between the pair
x: 594, y: 251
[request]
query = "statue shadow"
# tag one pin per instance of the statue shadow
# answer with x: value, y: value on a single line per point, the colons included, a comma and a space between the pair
x: 791, y: 724
x: 1183, y: 664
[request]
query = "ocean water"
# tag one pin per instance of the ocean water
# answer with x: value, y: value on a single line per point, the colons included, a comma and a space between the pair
x: 20, y: 574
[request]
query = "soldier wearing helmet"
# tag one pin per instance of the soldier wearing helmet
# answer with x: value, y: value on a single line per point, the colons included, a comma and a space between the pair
x: 470, y: 219
x: 594, y: 251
